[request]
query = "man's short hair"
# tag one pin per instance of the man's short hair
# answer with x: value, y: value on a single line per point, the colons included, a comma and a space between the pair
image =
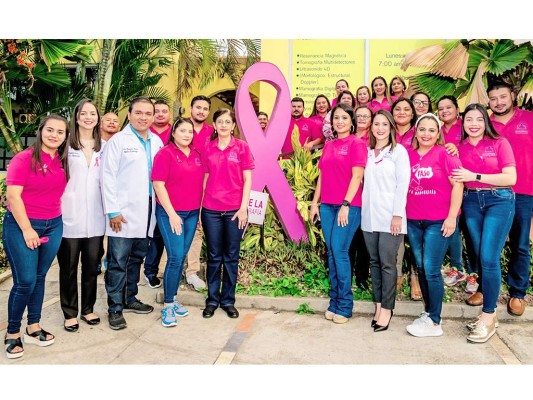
x: 200, y: 97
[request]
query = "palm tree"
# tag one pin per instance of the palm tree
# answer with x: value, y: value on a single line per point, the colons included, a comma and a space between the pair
x: 465, y: 67
x: 30, y: 71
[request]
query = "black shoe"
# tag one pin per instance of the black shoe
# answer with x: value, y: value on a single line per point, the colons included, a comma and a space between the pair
x: 153, y: 281
x: 116, y: 321
x: 209, y: 311
x: 71, y: 328
x: 373, y: 323
x: 381, y: 328
x: 94, y: 321
x: 138, y: 308
x: 231, y: 311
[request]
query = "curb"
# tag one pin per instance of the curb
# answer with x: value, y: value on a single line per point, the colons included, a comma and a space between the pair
x: 320, y: 305
x: 4, y: 276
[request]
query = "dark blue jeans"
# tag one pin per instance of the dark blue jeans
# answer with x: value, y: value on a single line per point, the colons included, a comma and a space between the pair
x: 429, y: 248
x: 154, y: 254
x: 177, y: 247
x: 489, y: 215
x: 124, y: 258
x: 29, y: 267
x: 455, y: 248
x: 338, y: 240
x: 518, y: 278
x: 223, y: 239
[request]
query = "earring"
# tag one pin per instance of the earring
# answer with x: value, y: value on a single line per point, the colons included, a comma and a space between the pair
x: 352, y: 129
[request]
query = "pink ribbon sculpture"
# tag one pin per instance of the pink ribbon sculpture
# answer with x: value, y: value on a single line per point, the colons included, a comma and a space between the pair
x: 266, y: 146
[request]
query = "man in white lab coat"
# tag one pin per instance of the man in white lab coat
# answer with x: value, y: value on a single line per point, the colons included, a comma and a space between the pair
x: 129, y: 203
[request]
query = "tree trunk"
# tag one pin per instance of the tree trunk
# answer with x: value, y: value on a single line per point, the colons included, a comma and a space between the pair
x: 105, y: 71
x: 13, y: 145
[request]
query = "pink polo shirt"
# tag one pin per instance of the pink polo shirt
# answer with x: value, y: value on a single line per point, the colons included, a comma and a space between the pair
x: 454, y: 134
x: 165, y: 135
x: 336, y: 162
x: 375, y: 105
x: 406, y: 140
x: 365, y: 139
x: 334, y: 102
x: 41, y: 191
x: 429, y: 194
x: 201, y: 138
x: 519, y: 132
x: 317, y: 119
x: 489, y: 156
x: 183, y: 176
x: 223, y: 191
x: 308, y: 128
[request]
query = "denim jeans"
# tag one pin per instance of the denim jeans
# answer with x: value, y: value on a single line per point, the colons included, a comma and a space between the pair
x: 154, y: 254
x: 429, y: 248
x: 223, y: 239
x: 29, y: 267
x: 489, y: 215
x: 518, y: 278
x: 338, y: 240
x: 124, y: 258
x: 455, y: 248
x: 177, y: 247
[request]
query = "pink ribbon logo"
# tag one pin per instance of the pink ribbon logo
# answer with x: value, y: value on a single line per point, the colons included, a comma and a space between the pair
x: 266, y: 146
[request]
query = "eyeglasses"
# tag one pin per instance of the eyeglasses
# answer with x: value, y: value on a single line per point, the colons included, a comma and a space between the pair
x: 421, y: 103
x: 360, y: 116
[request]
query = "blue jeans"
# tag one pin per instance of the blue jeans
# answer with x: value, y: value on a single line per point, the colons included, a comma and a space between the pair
x: 124, y: 258
x: 223, y: 239
x: 29, y: 267
x: 154, y: 254
x: 338, y: 240
x: 489, y: 215
x: 429, y: 248
x: 455, y: 248
x: 518, y: 278
x: 177, y: 247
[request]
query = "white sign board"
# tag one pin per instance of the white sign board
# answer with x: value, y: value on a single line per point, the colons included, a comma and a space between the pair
x: 257, y: 206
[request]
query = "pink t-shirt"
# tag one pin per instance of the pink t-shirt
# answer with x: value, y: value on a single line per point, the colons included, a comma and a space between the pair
x: 201, y: 138
x: 489, y: 156
x: 183, y: 176
x: 375, y: 105
x: 454, y: 134
x: 519, y: 132
x: 429, y: 194
x: 41, y: 191
x: 309, y: 130
x: 336, y: 162
x: 223, y: 191
x: 317, y: 119
x: 334, y: 102
x: 406, y: 140
x: 165, y: 135
x: 365, y: 139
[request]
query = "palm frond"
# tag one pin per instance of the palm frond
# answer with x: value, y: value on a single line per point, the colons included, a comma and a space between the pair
x: 505, y: 56
x: 453, y: 61
x: 55, y: 75
x: 435, y: 86
x: 52, y: 51
x: 423, y: 57
x: 478, y: 91
x: 526, y: 93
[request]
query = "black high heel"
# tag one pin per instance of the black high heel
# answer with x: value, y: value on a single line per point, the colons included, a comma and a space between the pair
x: 381, y: 328
x: 373, y: 323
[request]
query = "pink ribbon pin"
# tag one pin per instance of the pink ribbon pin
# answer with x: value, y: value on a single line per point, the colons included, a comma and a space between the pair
x: 266, y: 146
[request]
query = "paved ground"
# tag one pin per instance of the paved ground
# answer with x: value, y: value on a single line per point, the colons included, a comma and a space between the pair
x: 269, y: 332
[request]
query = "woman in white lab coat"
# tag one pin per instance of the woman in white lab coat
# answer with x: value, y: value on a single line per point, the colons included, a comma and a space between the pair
x: 83, y: 218
x: 383, y: 218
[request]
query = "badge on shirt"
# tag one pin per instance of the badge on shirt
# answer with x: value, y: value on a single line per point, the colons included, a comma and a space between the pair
x: 343, y: 151
x: 521, y: 129
x: 233, y: 156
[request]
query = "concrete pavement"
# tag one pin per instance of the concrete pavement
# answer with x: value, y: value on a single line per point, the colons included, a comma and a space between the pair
x: 269, y: 331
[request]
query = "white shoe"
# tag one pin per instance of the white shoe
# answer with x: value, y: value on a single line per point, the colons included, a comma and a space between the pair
x: 425, y: 327
x: 196, y: 282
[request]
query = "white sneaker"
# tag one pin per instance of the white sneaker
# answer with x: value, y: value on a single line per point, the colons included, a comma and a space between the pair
x: 424, y: 327
x: 196, y: 282
x: 422, y: 318
x: 471, y: 283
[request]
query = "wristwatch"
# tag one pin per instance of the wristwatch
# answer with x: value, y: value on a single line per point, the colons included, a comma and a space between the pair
x: 346, y: 203
x: 478, y: 177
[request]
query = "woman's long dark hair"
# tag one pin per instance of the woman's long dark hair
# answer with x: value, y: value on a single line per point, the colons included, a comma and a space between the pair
x: 218, y: 113
x: 74, y: 138
x: 350, y: 111
x: 175, y: 125
x: 36, y: 160
x: 490, y: 131
x: 315, y: 112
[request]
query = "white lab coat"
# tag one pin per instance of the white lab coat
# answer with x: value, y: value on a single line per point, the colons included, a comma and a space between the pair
x: 81, y: 204
x: 385, y: 189
x: 125, y: 182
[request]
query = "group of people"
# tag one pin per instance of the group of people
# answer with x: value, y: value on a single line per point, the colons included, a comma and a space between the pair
x: 84, y: 179
x: 393, y: 168
x: 390, y: 170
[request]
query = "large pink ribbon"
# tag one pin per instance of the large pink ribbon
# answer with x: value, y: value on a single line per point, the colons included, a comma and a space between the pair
x: 266, y: 146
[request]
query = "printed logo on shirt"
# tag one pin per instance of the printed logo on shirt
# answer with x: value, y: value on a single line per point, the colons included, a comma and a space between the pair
x: 44, y: 169
x: 233, y: 156
x: 305, y: 127
x: 521, y: 129
x: 198, y: 161
x: 343, y: 151
x: 178, y: 158
x: 418, y: 174
x: 97, y: 160
x: 73, y: 153
x: 489, y: 151
x: 127, y: 150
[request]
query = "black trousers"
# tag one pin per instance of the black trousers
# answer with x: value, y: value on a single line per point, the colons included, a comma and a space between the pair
x: 68, y: 257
